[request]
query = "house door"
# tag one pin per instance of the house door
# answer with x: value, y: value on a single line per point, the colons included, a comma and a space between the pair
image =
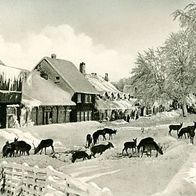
x: 2, y: 116
x: 47, y: 117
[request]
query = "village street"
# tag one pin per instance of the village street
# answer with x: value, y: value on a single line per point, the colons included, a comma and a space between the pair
x: 123, y: 175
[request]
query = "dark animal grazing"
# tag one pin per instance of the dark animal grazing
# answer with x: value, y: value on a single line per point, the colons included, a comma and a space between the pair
x: 8, y: 149
x: 175, y: 127
x: 96, y: 135
x: 43, y: 145
x: 16, y: 148
x: 110, y: 132
x: 100, y: 148
x: 143, y: 142
x: 80, y: 155
x: 21, y: 147
x: 190, y: 130
x: 149, y: 146
x: 89, y: 140
x: 131, y: 145
x: 182, y: 132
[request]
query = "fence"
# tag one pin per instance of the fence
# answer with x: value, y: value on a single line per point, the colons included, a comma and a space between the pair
x: 23, y: 180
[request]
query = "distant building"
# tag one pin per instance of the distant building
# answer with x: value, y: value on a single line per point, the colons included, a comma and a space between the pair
x: 111, y: 104
x: 57, y: 92
x: 10, y: 95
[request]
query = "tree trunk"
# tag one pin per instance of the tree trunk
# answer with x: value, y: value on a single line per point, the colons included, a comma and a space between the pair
x: 144, y: 111
x: 184, y: 109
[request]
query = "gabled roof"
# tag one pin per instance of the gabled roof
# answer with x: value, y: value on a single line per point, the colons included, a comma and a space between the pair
x: 45, y: 92
x: 71, y: 75
x: 100, y: 84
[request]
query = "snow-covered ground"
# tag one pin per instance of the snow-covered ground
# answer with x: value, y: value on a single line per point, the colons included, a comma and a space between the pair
x: 173, y: 173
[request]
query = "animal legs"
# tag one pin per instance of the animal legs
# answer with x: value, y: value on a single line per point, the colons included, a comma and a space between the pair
x: 52, y: 148
x: 170, y: 132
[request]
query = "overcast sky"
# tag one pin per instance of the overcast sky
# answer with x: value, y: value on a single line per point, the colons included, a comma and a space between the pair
x: 105, y: 34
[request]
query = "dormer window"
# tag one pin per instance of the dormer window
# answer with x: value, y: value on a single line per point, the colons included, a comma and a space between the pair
x: 44, y: 75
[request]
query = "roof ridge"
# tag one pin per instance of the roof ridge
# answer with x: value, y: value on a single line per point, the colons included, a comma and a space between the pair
x: 59, y: 74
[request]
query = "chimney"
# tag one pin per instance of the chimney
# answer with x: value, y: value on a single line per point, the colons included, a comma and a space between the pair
x: 53, y: 56
x: 106, y: 77
x: 82, y: 68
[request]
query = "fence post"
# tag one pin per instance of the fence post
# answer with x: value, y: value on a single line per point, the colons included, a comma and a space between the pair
x: 36, y: 189
x: 3, y: 177
x: 24, y: 174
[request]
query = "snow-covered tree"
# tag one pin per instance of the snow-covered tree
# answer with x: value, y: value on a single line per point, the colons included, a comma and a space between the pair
x: 148, y: 77
x: 180, y: 58
x: 187, y: 17
x: 169, y: 73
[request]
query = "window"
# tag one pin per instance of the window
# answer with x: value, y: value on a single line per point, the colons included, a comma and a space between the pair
x: 57, y: 79
x: 78, y: 117
x: 44, y: 75
x: 88, y: 99
x: 90, y: 115
x: 86, y: 115
x: 79, y: 98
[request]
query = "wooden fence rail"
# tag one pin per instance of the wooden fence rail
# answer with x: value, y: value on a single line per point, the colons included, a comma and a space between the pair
x: 23, y: 180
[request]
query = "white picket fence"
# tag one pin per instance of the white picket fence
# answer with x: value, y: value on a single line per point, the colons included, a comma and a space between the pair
x: 23, y: 180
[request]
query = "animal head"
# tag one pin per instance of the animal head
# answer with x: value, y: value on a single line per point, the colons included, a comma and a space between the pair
x: 180, y: 134
x: 36, y: 149
x: 135, y: 140
x: 160, y: 150
x: 115, y: 131
x: 181, y: 124
x: 15, y: 139
x: 110, y: 145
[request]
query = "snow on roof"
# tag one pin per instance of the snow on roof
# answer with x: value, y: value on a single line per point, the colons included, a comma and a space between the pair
x: 101, y: 84
x: 44, y: 92
x: 71, y: 75
x: 29, y: 101
x: 112, y: 105
x: 9, y: 74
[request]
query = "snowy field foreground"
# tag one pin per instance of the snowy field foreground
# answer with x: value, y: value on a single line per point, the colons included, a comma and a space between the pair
x: 170, y: 174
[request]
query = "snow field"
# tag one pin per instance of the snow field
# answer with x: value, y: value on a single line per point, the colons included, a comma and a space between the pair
x: 165, y: 175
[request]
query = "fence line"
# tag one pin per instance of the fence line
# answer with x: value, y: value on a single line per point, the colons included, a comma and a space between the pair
x: 24, y: 180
